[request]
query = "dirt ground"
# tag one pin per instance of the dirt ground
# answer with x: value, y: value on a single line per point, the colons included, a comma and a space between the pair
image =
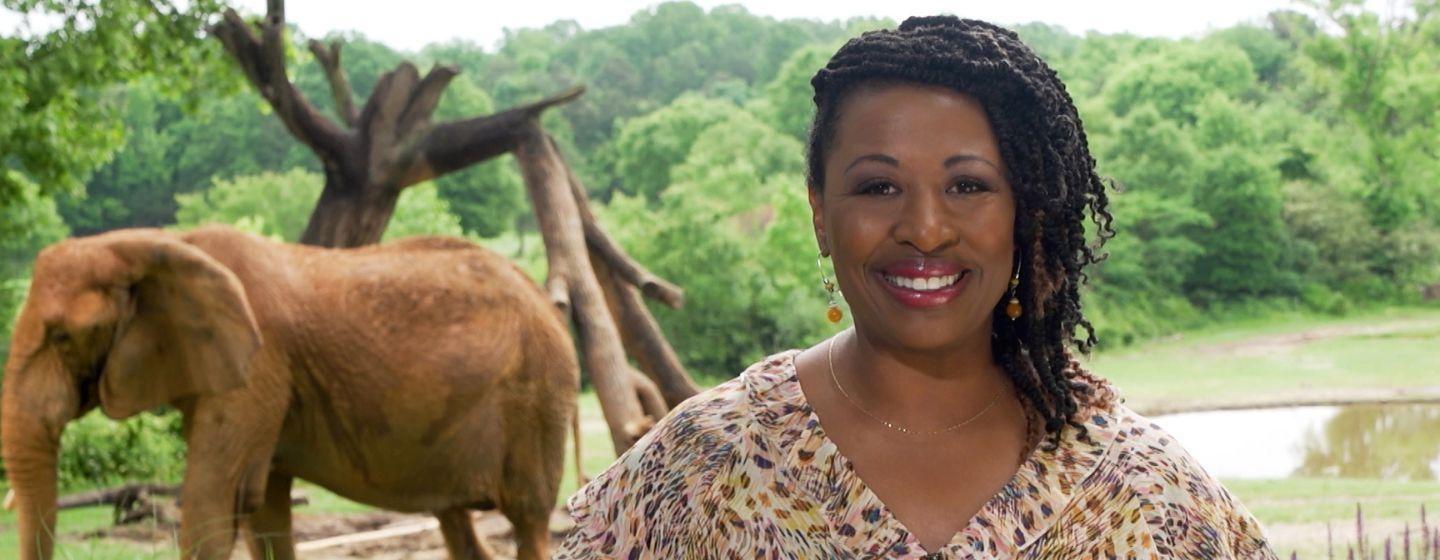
x: 1272, y: 344
x: 393, y: 536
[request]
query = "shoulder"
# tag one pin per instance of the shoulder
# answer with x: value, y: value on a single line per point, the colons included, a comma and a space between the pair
x: 660, y: 485
x: 1145, y: 453
x: 1191, y: 509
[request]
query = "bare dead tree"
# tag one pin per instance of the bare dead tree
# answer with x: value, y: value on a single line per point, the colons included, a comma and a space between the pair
x: 372, y: 154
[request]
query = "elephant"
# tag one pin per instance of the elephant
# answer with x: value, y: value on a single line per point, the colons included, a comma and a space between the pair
x: 423, y: 375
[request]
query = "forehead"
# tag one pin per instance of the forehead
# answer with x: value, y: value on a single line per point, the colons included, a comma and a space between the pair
x: 73, y: 266
x: 903, y: 117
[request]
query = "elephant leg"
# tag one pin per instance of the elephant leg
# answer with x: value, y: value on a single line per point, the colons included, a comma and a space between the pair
x: 270, y: 535
x: 530, y: 496
x: 459, y: 533
x: 210, y: 514
x: 532, y: 533
x: 534, y: 465
x: 230, y: 447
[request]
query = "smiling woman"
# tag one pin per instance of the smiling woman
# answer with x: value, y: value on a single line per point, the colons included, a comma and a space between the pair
x: 949, y: 180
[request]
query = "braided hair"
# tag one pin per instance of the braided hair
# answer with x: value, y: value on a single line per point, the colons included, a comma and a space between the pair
x: 1044, y: 146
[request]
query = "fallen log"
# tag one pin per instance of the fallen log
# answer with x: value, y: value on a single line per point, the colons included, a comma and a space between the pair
x: 115, y: 495
x: 132, y: 501
x: 131, y: 491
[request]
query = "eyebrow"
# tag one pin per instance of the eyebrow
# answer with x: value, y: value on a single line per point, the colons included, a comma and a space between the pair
x: 952, y: 160
x: 882, y: 158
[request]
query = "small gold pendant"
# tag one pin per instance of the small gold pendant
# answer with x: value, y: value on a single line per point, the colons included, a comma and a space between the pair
x: 1012, y: 309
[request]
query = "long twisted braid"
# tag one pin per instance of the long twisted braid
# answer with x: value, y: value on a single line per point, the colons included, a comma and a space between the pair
x: 1053, y: 174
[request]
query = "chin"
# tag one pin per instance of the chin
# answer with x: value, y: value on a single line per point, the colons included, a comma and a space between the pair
x: 921, y: 336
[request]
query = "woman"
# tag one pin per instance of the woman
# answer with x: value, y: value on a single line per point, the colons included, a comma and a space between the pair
x: 949, y: 179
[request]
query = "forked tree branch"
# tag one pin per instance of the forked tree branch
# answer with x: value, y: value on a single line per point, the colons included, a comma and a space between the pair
x: 262, y: 59
x: 453, y: 145
x: 329, y: 59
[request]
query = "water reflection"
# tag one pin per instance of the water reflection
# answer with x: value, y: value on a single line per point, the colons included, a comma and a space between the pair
x: 1395, y: 441
x: 1360, y: 441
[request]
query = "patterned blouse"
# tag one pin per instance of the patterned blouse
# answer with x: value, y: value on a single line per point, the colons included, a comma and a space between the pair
x: 744, y: 470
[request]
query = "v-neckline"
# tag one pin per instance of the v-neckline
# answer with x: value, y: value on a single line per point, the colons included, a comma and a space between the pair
x: 868, y: 495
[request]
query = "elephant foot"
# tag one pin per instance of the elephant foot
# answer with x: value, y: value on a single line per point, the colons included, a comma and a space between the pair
x: 460, y: 539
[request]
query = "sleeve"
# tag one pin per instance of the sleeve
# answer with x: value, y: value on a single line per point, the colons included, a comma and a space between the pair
x: 1194, y: 515
x: 1245, y: 537
x: 645, y: 504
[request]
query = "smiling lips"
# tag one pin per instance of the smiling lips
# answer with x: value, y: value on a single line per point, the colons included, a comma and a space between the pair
x: 924, y: 283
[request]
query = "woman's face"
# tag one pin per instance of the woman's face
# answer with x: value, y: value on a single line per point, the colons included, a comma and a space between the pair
x: 917, y: 214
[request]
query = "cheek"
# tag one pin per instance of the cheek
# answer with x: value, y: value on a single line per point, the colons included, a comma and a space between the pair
x: 852, y: 239
x: 992, y: 228
x: 992, y: 236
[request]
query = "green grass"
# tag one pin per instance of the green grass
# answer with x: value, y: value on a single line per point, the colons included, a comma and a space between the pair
x: 1296, y: 511
x: 1311, y: 500
x: 1205, y: 368
x: 325, y: 501
x: 76, y: 522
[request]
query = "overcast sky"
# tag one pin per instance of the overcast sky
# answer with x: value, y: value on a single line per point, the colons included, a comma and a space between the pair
x: 411, y: 24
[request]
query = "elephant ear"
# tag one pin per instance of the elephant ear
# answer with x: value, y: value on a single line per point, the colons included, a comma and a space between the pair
x: 188, y: 330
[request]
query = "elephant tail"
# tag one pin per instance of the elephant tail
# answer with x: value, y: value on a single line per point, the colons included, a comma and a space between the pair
x: 580, y: 478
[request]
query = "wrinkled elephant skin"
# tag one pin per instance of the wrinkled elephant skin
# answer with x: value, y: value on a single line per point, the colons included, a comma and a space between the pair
x: 424, y: 375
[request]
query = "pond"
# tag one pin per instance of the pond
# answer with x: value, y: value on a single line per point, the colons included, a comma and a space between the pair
x: 1396, y: 441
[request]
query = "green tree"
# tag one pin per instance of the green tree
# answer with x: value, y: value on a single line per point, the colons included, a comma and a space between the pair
x: 1185, y: 130
x: 1335, y: 244
x: 1175, y: 80
x: 55, y: 122
x: 27, y: 225
x: 662, y: 53
x: 1096, y: 62
x: 134, y: 188
x: 1269, y: 54
x: 277, y: 205
x: 1381, y: 78
x: 1248, y: 250
x: 733, y: 230
x: 788, y: 106
x: 169, y: 150
x: 1052, y: 42
x: 650, y: 146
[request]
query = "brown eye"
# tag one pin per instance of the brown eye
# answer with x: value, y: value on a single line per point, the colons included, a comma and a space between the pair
x: 878, y: 188
x: 964, y: 186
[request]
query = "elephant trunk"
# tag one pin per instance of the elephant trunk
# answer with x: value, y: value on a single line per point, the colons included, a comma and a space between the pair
x: 30, y: 450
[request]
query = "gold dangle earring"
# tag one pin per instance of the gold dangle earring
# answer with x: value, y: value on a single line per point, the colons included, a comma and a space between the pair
x: 833, y: 313
x: 1013, y: 309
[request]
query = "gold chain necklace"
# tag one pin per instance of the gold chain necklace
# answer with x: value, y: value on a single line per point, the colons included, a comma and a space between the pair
x: 831, y: 356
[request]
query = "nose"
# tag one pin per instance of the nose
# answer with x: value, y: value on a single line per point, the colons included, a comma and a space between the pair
x: 925, y: 222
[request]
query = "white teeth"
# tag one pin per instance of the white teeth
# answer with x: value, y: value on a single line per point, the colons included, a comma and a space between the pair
x: 923, y: 284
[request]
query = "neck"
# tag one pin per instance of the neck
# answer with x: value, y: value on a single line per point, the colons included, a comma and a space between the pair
x: 925, y: 389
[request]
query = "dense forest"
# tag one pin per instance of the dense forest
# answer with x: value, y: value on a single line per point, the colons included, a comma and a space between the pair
x: 1289, y: 163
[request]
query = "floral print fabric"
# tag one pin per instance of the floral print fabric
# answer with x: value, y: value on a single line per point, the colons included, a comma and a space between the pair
x: 744, y: 470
